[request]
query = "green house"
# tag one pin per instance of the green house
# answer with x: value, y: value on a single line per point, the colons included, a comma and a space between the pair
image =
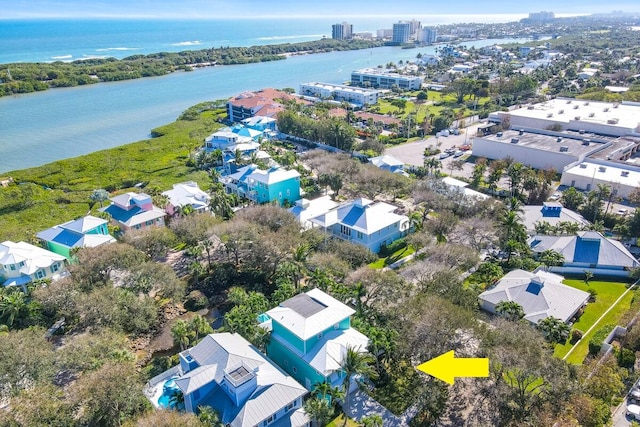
x: 310, y: 334
x: 88, y: 231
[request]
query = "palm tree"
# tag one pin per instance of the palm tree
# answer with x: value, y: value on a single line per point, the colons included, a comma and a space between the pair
x: 551, y: 258
x: 201, y: 327
x: 354, y: 364
x: 554, y: 329
x: 322, y: 390
x: 12, y: 304
x: 319, y: 410
x: 510, y: 310
x: 374, y: 420
x: 209, y: 416
x: 176, y: 399
x: 181, y: 334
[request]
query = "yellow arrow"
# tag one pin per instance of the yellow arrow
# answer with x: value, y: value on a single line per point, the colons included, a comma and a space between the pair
x: 446, y: 367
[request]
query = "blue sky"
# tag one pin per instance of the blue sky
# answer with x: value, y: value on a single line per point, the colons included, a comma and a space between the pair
x: 290, y: 8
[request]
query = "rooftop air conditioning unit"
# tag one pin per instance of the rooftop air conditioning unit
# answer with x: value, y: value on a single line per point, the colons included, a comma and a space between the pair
x: 583, y: 166
x: 586, y: 103
x: 624, y: 173
x: 531, y: 107
x: 564, y: 149
x: 499, y: 134
x: 606, y: 109
x: 521, y: 132
x: 602, y: 169
x: 613, y: 121
x: 615, y: 105
x: 550, y: 115
x: 559, y: 139
x: 577, y: 118
x: 581, y: 131
x: 575, y: 107
x: 586, y: 142
x: 568, y: 101
x: 561, y: 112
x: 515, y: 140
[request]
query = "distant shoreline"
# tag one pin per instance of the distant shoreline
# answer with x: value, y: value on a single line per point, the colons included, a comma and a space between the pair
x: 28, y: 77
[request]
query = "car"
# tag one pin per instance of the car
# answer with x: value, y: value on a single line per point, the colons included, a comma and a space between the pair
x: 458, y: 153
x: 634, y: 395
x: 444, y: 155
x: 622, y: 212
x: 555, y: 196
x: 633, y: 411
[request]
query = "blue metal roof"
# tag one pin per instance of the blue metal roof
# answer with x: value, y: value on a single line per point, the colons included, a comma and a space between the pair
x: 68, y: 238
x: 587, y: 251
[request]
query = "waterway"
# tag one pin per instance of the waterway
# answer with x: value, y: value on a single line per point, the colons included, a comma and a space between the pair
x: 39, y: 128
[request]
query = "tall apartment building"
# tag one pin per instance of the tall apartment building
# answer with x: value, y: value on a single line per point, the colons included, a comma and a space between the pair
x: 381, y: 79
x: 405, y: 31
x: 541, y: 17
x: 401, y: 32
x: 342, y: 31
x: 427, y: 35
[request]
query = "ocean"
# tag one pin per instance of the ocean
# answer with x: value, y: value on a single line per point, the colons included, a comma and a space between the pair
x: 47, y: 40
x: 42, y: 127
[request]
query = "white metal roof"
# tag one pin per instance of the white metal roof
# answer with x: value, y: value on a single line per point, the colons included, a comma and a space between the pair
x: 188, y: 193
x: 222, y: 351
x: 306, y: 327
x: 541, y: 294
x: 33, y: 257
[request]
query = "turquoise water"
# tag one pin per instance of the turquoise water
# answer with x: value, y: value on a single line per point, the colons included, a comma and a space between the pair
x: 168, y: 390
x: 72, y: 39
x: 39, y: 128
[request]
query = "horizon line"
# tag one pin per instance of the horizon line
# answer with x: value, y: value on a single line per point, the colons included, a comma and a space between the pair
x: 278, y: 16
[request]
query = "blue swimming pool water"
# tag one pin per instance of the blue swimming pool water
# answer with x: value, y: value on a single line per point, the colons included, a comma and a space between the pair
x: 168, y: 389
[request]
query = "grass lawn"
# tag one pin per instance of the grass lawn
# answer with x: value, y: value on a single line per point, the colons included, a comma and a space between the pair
x: 397, y: 255
x: 59, y: 191
x: 338, y: 422
x: 608, y: 293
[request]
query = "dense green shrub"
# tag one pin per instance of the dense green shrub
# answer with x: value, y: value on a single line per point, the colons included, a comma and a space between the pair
x: 595, y: 343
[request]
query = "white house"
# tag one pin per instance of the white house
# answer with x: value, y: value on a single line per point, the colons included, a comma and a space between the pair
x: 22, y: 263
x: 187, y: 194
x: 540, y: 294
x: 622, y: 178
x: 306, y: 209
x: 552, y: 213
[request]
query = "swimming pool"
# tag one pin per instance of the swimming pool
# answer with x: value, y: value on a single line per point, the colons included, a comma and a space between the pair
x: 169, y: 389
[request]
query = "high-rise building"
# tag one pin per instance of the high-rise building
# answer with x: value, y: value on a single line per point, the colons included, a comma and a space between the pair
x: 405, y: 31
x: 401, y: 32
x: 427, y: 35
x: 343, y: 31
x: 541, y: 17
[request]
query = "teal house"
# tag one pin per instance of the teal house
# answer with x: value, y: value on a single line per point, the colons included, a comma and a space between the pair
x: 88, y: 231
x: 310, y: 334
x: 274, y: 184
x: 264, y: 186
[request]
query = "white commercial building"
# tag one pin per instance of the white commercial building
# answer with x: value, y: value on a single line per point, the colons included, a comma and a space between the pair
x: 354, y: 95
x: 379, y: 78
x: 533, y: 149
x: 603, y: 118
x: 620, y: 177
